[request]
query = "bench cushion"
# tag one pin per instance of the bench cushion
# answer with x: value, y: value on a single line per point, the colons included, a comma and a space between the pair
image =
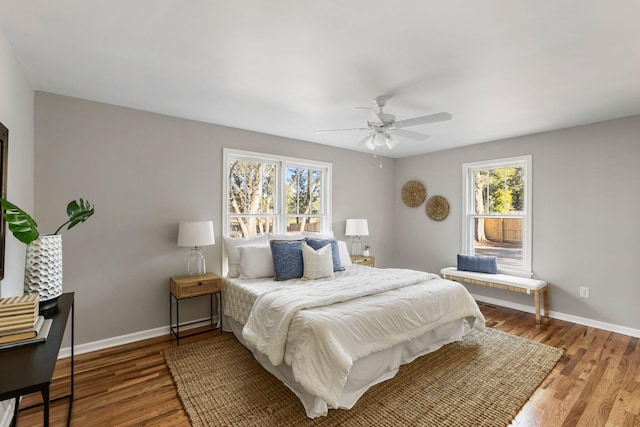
x: 503, y: 279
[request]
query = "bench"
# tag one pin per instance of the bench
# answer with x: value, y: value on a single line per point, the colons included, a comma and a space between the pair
x: 503, y: 281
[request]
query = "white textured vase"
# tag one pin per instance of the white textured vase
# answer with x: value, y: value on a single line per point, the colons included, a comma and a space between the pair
x: 43, y: 267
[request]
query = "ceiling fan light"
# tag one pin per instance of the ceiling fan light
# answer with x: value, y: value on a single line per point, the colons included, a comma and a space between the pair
x: 369, y: 143
x: 379, y: 139
x: 390, y: 141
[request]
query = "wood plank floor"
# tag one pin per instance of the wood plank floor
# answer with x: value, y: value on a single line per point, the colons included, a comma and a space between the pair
x: 596, y: 383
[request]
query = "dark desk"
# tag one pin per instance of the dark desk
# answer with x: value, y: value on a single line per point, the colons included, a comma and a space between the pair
x: 29, y: 369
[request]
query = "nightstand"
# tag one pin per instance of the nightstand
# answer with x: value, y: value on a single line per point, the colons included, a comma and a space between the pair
x: 363, y: 260
x: 183, y: 287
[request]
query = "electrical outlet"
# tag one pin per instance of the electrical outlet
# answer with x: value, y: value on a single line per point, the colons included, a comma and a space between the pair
x: 584, y: 292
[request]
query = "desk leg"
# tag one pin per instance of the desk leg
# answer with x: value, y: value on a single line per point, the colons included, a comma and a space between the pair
x: 16, y: 402
x: 45, y: 399
x: 73, y: 334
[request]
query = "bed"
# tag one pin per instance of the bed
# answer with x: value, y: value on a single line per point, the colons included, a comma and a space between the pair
x: 331, y: 339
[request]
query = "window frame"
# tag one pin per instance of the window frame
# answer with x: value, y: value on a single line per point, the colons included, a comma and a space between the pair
x: 280, y: 213
x: 469, y: 215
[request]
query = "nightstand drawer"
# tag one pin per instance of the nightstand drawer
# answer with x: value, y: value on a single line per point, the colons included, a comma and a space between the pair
x: 191, y: 286
x: 363, y: 260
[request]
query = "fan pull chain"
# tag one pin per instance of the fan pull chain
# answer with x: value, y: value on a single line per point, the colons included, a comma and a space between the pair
x: 380, y: 163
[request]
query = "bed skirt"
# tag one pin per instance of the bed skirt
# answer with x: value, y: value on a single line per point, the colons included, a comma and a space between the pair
x: 366, y: 372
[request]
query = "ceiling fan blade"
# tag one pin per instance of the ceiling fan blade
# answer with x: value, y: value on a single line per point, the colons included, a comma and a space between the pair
x: 438, y: 117
x: 338, y: 130
x: 410, y: 134
x: 363, y: 141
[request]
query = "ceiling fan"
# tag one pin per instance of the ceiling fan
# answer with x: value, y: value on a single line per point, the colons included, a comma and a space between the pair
x: 383, y: 128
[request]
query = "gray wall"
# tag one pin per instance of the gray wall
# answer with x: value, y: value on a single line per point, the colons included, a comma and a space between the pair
x: 585, y: 216
x: 146, y: 172
x: 16, y: 113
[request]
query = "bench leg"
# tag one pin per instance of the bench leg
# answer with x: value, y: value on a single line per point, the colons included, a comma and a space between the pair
x: 545, y: 297
x: 536, y: 295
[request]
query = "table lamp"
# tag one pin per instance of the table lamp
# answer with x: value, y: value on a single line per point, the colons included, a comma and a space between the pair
x: 356, y: 228
x: 195, y: 235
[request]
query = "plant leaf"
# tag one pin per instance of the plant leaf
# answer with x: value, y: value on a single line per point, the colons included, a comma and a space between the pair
x: 78, y: 211
x: 23, y: 227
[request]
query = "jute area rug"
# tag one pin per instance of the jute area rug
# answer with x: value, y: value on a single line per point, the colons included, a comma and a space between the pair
x: 482, y: 381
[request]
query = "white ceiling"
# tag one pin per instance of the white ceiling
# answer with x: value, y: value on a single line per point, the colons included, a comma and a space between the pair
x: 502, y: 68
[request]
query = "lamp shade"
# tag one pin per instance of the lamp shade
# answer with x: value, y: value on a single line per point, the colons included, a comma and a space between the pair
x: 378, y: 141
x: 357, y: 227
x: 199, y: 233
x: 390, y: 141
x: 369, y: 142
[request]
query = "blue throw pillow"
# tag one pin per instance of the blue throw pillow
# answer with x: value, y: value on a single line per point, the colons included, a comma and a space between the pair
x: 287, y: 259
x: 316, y: 244
x: 479, y: 264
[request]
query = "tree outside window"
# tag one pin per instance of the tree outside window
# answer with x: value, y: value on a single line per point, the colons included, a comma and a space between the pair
x: 303, y: 199
x: 251, y: 197
x: 498, y: 198
x: 272, y: 194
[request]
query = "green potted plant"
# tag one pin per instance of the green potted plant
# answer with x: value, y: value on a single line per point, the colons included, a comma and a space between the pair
x: 43, y: 265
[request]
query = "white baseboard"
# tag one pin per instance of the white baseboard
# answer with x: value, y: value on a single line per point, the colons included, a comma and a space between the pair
x: 562, y: 316
x: 126, y: 339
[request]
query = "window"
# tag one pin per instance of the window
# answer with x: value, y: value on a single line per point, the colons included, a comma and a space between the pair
x: 273, y: 194
x: 497, y: 220
x: 303, y: 198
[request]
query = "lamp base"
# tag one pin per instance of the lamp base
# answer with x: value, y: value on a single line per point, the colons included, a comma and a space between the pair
x: 356, y: 246
x: 195, y: 262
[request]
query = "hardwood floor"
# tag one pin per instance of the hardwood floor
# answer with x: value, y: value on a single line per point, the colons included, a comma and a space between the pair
x: 596, y: 383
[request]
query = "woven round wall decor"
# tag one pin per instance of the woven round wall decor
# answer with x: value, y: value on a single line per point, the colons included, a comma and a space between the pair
x: 413, y: 193
x: 437, y: 208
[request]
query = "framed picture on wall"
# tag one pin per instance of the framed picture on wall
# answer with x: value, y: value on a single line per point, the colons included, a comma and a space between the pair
x: 4, y: 147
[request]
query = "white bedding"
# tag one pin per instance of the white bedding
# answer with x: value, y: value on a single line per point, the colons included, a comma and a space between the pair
x: 366, y: 372
x: 322, y: 327
x: 268, y: 325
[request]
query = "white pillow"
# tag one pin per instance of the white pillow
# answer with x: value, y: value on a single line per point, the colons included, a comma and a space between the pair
x: 231, y: 245
x: 317, y: 264
x: 345, y: 259
x: 256, y: 261
x: 316, y: 235
x: 297, y: 236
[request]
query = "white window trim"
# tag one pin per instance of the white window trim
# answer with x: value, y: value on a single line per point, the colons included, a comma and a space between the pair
x: 467, y: 203
x: 280, y: 223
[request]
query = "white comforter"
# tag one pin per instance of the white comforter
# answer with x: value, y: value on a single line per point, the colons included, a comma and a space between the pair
x: 320, y: 328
